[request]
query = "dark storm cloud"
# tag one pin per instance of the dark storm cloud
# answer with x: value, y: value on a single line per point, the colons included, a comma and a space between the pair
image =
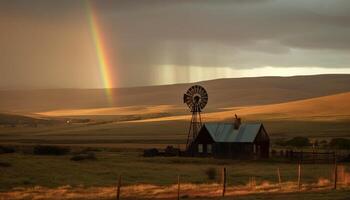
x: 53, y: 37
x: 325, y: 40
x: 224, y: 28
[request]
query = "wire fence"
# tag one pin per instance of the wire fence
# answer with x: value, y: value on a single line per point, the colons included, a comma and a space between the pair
x: 339, y: 179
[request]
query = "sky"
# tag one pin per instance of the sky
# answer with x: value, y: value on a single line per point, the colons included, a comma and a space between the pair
x: 125, y: 43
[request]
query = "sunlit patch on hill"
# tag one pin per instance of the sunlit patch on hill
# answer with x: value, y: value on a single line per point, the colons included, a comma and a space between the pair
x: 128, y: 110
x: 327, y: 108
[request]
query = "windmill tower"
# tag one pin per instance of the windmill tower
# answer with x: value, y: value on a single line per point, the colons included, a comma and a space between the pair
x: 196, y: 99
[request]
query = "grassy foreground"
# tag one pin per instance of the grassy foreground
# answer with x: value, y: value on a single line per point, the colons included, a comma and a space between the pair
x: 319, y: 195
x: 27, y: 170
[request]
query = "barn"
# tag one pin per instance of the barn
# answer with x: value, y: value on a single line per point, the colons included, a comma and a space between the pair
x: 232, y: 140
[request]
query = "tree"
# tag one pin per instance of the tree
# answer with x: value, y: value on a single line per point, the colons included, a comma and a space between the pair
x: 298, y: 142
x: 340, y: 143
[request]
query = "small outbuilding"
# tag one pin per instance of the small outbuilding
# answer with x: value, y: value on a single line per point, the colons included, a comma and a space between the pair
x: 232, y: 140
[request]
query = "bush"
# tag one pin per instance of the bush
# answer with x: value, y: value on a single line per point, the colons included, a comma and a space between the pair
x: 211, y: 173
x: 299, y: 142
x: 85, y: 150
x: 5, y: 164
x: 150, y: 152
x: 171, y: 151
x: 281, y: 142
x: 340, y: 143
x: 50, y: 150
x: 85, y: 156
x: 324, y: 142
x: 6, y: 149
x: 295, y: 142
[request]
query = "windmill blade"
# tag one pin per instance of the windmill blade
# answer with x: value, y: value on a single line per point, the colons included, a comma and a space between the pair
x: 201, y: 91
x: 186, y: 97
x: 197, y: 89
x: 191, y: 93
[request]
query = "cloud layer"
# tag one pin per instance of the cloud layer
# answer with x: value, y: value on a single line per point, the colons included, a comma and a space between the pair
x: 45, y: 42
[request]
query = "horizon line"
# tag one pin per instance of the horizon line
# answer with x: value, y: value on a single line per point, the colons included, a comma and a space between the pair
x: 159, y: 85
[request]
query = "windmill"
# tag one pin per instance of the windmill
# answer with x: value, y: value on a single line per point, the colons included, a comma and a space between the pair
x: 196, y: 99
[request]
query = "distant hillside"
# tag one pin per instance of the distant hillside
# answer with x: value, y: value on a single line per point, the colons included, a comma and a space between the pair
x: 13, y: 120
x: 327, y: 108
x: 222, y: 93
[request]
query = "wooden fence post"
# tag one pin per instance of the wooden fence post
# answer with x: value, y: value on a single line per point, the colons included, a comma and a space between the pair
x: 251, y: 182
x: 254, y: 182
x: 341, y: 174
x: 279, y: 177
x: 178, y: 187
x: 299, y: 175
x: 118, y: 187
x: 223, y: 181
x: 335, y: 172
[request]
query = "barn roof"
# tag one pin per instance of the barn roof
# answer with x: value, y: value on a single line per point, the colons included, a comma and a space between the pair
x: 221, y: 132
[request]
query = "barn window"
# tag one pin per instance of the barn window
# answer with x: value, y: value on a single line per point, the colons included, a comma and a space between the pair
x: 209, y: 148
x: 200, y: 148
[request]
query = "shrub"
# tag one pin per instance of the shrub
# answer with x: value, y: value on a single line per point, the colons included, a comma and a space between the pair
x: 90, y: 149
x: 26, y: 182
x: 299, y: 142
x: 185, y: 196
x: 280, y: 142
x: 150, y: 152
x: 50, y: 150
x: 171, y: 151
x: 85, y: 156
x: 340, y: 143
x: 211, y: 173
x: 6, y: 149
x: 323, y: 142
x: 5, y: 164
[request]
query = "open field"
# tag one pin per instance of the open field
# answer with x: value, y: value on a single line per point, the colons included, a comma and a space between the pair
x: 316, y: 112
x: 322, y: 117
x: 154, y: 117
x: 53, y: 171
x: 163, y: 132
x: 189, y: 191
x: 153, y: 177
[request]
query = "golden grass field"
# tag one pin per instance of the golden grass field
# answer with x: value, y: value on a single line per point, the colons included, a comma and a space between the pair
x: 327, y: 108
x: 57, y: 177
x: 314, y: 117
x: 301, y: 105
x: 187, y: 191
x: 314, y: 106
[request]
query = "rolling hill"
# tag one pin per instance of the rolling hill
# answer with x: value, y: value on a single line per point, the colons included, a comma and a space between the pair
x: 231, y: 92
x: 7, y: 119
x: 327, y: 108
x: 315, y: 106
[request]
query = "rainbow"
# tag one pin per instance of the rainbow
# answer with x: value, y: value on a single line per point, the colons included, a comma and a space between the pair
x: 105, y: 67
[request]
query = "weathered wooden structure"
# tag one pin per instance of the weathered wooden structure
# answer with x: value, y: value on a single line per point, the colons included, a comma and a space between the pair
x: 232, y: 140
